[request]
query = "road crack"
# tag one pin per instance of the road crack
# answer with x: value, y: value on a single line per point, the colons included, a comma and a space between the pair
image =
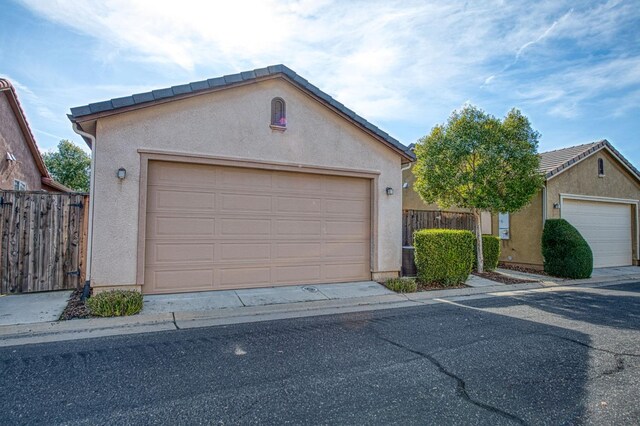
x: 461, y: 386
x: 586, y: 345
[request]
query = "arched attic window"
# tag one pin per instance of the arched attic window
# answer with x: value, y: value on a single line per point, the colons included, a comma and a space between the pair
x: 278, y: 113
x: 600, y: 167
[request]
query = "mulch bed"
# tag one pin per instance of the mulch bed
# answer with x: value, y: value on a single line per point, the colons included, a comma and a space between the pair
x: 521, y: 269
x: 495, y: 276
x: 76, y: 307
x: 436, y: 286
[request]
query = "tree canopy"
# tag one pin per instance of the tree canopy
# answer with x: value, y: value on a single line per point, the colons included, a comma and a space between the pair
x: 479, y: 162
x: 69, y: 165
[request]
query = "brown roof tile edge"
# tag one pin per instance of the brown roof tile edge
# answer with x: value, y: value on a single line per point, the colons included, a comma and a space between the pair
x: 589, y: 151
x: 14, y: 102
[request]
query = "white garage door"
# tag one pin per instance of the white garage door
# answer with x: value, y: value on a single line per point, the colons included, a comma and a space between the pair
x: 213, y: 227
x: 605, y: 226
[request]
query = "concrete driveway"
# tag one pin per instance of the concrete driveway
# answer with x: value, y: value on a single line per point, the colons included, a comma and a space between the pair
x: 208, y: 300
x: 32, y: 307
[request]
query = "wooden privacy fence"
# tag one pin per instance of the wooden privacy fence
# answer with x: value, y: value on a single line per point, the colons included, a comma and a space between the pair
x: 44, y: 238
x: 412, y: 220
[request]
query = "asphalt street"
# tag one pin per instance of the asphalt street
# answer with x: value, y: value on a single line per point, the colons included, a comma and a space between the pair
x: 562, y: 357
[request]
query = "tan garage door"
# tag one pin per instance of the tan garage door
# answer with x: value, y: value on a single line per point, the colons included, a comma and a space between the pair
x: 214, y: 227
x: 605, y: 226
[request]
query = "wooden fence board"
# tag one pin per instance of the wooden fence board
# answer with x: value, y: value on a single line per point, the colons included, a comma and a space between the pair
x: 413, y: 220
x: 42, y: 238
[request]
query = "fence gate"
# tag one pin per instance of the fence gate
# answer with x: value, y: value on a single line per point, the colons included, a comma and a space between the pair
x: 43, y: 244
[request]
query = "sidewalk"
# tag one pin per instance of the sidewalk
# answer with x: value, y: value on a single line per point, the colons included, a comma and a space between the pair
x: 175, y: 312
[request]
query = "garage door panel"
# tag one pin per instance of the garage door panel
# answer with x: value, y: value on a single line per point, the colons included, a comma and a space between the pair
x: 245, y: 203
x: 244, y: 228
x: 605, y: 226
x: 244, y: 179
x: 354, y: 207
x: 168, y: 280
x: 345, y: 271
x: 243, y: 276
x: 297, y: 250
x: 245, y: 252
x: 298, y: 227
x: 179, y: 200
x: 297, y: 274
x: 298, y: 205
x: 167, y: 252
x: 176, y: 226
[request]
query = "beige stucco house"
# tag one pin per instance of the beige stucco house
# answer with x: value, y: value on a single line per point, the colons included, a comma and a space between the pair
x: 592, y: 186
x: 21, y: 165
x: 248, y: 180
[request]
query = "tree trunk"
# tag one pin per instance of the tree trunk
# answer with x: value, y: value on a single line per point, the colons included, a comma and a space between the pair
x: 480, y: 255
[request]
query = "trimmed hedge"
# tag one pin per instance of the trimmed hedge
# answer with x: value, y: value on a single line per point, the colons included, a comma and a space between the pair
x: 565, y: 252
x: 115, y: 303
x: 490, y: 250
x: 443, y: 256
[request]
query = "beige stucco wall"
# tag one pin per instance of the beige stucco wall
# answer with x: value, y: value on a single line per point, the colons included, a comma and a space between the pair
x: 525, y: 226
x: 12, y: 140
x: 524, y: 247
x: 583, y: 179
x: 231, y: 123
x: 412, y: 201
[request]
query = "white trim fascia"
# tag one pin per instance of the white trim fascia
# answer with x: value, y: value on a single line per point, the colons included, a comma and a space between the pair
x: 613, y: 154
x: 632, y: 202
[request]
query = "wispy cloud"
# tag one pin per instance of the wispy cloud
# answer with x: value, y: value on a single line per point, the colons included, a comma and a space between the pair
x: 387, y: 60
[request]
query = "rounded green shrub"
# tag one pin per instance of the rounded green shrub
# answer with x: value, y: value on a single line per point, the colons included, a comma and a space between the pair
x: 115, y: 303
x: 565, y: 252
x: 490, y: 250
x: 402, y: 285
x: 443, y: 256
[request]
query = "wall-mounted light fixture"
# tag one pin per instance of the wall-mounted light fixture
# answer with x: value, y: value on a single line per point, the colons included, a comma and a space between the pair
x: 122, y: 173
x: 556, y: 205
x: 389, y: 190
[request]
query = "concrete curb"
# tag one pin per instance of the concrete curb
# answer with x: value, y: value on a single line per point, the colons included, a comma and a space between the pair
x: 99, y: 327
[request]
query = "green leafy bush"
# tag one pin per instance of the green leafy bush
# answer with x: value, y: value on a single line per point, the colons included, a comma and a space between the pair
x: 402, y: 285
x: 490, y: 251
x: 566, y: 254
x: 115, y: 303
x: 443, y: 256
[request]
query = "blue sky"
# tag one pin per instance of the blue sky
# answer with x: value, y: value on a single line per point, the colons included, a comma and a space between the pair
x: 572, y: 67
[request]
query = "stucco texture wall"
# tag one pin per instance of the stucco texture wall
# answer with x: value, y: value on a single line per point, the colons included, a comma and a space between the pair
x: 12, y: 140
x: 525, y: 233
x: 583, y: 179
x: 231, y: 123
x: 524, y: 246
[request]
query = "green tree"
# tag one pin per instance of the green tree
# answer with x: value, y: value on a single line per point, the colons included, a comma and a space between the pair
x: 481, y: 163
x: 69, y: 165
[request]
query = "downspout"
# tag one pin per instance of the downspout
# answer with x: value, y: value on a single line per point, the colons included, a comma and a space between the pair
x: 544, y: 204
x: 87, y: 284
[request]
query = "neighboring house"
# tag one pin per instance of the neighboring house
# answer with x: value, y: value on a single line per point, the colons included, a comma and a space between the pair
x: 248, y: 180
x: 21, y: 165
x: 594, y: 188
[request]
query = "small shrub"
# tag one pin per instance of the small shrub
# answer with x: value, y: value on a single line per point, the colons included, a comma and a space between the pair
x: 490, y: 250
x: 402, y: 285
x: 565, y: 252
x: 115, y: 303
x: 443, y: 256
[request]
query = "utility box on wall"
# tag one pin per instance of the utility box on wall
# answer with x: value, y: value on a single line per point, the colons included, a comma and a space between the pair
x: 503, y: 226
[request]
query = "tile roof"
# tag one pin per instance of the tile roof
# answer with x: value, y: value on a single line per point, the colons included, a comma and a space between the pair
x: 227, y: 81
x: 554, y: 162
